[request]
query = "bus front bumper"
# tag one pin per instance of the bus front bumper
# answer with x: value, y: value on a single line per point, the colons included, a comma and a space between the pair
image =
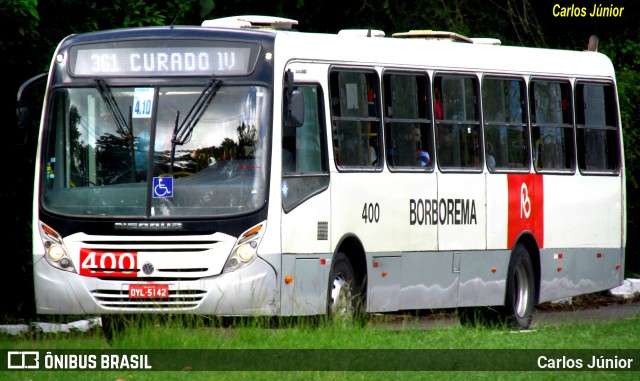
x: 250, y: 291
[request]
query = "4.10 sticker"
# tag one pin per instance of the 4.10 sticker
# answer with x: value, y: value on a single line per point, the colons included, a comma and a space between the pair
x: 142, y: 102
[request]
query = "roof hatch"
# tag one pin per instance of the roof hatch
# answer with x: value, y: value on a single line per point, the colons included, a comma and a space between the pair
x: 251, y: 22
x: 361, y: 32
x: 445, y: 36
x: 433, y: 35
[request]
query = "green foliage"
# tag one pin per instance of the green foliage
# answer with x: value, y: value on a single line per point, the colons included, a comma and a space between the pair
x: 19, y: 20
x: 625, y: 55
x: 22, y: 8
x: 626, y: 58
x: 139, y: 13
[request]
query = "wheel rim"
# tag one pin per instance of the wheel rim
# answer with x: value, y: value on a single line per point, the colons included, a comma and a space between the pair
x: 340, y: 296
x: 521, y: 290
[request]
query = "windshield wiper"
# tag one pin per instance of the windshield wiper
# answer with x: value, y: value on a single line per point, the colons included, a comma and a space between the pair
x: 110, y: 101
x: 124, y: 129
x: 182, y: 132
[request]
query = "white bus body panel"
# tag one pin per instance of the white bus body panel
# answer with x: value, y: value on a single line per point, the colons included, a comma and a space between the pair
x: 461, y: 212
x: 497, y: 211
x: 305, y: 244
x: 582, y: 236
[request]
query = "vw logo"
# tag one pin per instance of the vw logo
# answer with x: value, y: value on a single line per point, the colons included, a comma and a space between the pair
x: 148, y: 268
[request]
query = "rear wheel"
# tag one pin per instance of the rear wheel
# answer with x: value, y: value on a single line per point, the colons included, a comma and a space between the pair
x: 521, y: 290
x: 520, y: 297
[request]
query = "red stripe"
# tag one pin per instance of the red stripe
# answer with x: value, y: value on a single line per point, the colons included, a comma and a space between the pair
x: 526, y: 207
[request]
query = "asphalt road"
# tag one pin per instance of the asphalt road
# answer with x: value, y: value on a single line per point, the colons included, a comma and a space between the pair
x: 540, y: 318
x: 604, y: 313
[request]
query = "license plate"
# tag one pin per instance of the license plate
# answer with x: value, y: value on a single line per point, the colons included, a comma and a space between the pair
x: 149, y: 291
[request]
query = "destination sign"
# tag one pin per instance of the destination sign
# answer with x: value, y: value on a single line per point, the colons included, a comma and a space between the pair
x: 92, y: 60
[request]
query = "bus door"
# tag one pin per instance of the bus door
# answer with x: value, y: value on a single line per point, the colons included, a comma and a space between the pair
x: 305, y: 208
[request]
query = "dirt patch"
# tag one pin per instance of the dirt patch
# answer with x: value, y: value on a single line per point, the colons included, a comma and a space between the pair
x: 588, y: 301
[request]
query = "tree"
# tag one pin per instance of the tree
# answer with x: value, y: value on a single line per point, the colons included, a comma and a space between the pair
x: 625, y: 54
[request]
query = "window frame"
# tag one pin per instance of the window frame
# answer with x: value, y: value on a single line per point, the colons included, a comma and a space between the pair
x: 437, y: 81
x: 525, y: 123
x: 298, y: 176
x: 427, y: 120
x: 570, y: 126
x: 613, y: 107
x: 376, y: 118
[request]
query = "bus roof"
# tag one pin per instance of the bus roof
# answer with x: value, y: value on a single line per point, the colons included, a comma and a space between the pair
x: 414, y: 49
x: 417, y: 48
x: 444, y: 54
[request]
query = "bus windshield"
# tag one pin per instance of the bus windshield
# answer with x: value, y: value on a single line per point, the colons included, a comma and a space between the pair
x: 148, y: 152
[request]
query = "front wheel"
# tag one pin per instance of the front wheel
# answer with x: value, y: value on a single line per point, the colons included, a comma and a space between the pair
x: 343, y: 296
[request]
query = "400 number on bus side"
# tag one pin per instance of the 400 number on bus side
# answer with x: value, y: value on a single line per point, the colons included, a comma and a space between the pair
x: 371, y: 213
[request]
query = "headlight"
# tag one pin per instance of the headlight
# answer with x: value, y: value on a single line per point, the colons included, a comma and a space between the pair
x: 245, y: 251
x: 55, y: 252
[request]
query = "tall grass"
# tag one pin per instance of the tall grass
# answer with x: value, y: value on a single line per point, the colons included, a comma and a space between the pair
x: 202, y: 333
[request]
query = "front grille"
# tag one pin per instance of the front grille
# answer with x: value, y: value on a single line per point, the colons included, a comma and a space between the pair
x: 178, y: 299
x: 176, y: 246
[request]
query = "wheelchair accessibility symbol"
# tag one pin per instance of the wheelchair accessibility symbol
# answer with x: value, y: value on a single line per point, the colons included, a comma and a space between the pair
x: 162, y: 187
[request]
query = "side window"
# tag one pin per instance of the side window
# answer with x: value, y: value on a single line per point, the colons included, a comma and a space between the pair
x: 596, y: 122
x: 551, y: 126
x: 457, y: 122
x: 355, y: 119
x: 407, y: 121
x: 505, y: 124
x: 304, y: 160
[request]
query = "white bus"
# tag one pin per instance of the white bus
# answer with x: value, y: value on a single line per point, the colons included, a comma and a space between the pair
x: 244, y: 168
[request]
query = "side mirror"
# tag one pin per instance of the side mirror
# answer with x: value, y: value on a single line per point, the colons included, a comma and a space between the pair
x: 293, y: 102
x: 22, y: 114
x: 21, y: 132
x: 295, y: 113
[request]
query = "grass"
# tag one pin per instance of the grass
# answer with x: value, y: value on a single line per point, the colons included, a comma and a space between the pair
x: 247, y: 335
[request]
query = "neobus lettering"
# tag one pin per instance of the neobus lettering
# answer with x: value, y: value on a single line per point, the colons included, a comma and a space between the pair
x: 154, y: 62
x: 450, y: 211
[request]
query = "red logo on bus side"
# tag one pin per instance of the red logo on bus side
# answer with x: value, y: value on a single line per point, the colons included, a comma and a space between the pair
x: 526, y: 207
x: 108, y: 263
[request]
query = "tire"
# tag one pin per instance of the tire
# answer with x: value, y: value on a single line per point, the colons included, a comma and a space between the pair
x: 343, y: 294
x: 520, y: 298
